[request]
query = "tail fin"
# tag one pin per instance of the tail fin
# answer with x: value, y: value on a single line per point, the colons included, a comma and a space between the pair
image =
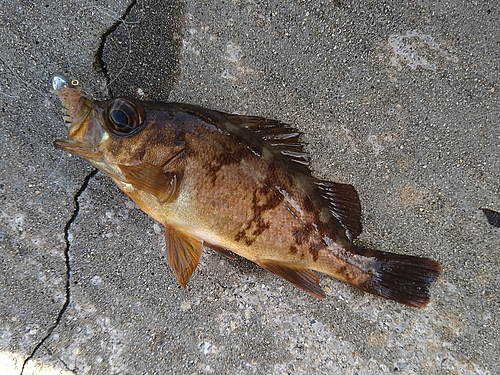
x: 402, y: 278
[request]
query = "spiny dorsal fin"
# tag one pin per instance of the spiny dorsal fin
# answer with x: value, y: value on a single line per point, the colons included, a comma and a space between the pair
x: 183, y: 253
x: 343, y: 202
x: 283, y: 139
x: 341, y: 199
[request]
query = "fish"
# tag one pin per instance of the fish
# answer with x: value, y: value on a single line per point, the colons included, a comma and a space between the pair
x: 239, y: 185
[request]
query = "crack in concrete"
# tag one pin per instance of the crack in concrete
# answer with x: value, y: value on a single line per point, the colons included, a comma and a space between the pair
x: 103, y: 67
x: 62, y: 361
x: 99, y: 60
x: 67, y: 248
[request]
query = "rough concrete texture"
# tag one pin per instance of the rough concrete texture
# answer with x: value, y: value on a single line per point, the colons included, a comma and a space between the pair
x: 399, y: 99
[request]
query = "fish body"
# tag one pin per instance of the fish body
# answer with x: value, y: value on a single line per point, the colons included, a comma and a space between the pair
x: 237, y: 184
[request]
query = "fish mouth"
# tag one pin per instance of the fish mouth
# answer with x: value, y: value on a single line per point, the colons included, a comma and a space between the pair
x: 76, y: 107
x: 84, y: 130
x: 70, y: 97
x: 84, y: 149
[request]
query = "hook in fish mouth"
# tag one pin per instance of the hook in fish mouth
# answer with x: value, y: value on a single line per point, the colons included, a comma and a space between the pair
x: 59, y: 81
x: 76, y: 106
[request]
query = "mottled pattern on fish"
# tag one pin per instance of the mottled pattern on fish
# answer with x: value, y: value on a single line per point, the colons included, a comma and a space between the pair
x: 237, y: 183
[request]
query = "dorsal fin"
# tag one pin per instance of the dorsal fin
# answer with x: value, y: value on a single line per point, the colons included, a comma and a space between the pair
x: 343, y: 202
x: 283, y: 139
x: 341, y: 199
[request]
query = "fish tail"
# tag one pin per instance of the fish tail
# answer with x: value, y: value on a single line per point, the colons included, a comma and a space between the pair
x: 402, y: 278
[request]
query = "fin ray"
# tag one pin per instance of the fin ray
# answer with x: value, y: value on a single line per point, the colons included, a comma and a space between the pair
x: 183, y: 253
x: 297, y: 275
x: 283, y: 139
x: 343, y: 202
x: 151, y: 179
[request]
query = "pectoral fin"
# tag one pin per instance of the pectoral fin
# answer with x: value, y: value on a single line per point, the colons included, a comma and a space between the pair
x: 183, y: 253
x: 151, y: 179
x: 298, y: 276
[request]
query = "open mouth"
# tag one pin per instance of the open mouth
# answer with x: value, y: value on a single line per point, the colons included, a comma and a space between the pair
x: 76, y: 108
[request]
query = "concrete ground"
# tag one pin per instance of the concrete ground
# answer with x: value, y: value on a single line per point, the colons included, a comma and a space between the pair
x: 400, y: 99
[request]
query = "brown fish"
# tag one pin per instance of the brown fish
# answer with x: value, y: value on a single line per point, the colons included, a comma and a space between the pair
x: 240, y: 184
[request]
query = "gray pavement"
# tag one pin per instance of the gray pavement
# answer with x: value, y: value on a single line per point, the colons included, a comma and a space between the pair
x: 399, y: 99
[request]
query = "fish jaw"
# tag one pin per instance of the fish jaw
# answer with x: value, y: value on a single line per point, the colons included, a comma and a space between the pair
x: 82, y: 116
x: 90, y: 152
x: 83, y: 149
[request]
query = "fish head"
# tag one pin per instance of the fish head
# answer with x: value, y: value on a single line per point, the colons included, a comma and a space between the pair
x: 125, y: 138
x: 100, y: 131
x: 96, y: 128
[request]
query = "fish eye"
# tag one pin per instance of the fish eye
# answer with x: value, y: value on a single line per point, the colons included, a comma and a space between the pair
x: 124, y: 116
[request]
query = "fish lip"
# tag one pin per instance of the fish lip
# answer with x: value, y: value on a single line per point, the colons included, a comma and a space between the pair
x: 76, y: 107
x: 84, y: 130
x: 84, y: 149
x: 71, y: 100
x: 82, y: 110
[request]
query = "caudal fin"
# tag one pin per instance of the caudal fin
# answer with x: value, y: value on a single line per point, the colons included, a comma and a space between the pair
x: 402, y: 278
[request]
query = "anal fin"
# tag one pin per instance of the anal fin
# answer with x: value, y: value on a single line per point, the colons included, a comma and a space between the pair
x: 183, y: 253
x: 297, y: 275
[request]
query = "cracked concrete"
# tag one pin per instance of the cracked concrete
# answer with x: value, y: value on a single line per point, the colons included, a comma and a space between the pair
x: 67, y: 259
x: 100, y: 63
x: 400, y: 100
x: 161, y: 26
